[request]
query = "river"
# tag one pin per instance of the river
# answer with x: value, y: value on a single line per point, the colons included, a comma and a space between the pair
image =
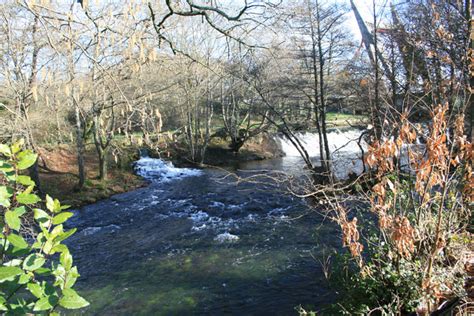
x: 197, y: 242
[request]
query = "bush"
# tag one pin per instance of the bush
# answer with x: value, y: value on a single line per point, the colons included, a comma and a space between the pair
x: 36, y: 271
x: 414, y: 261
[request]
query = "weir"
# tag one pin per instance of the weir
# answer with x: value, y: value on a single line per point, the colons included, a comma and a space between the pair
x: 345, y: 151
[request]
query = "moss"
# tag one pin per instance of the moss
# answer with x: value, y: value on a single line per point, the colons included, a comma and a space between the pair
x: 63, y: 180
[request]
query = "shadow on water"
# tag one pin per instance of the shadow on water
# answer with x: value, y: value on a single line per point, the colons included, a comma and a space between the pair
x: 193, y: 245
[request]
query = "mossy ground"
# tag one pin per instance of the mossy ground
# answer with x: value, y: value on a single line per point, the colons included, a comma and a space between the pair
x: 60, y: 178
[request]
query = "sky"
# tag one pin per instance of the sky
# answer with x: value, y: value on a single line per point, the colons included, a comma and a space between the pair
x: 366, y: 11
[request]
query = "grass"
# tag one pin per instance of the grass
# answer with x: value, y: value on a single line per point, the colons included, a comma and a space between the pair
x: 344, y: 119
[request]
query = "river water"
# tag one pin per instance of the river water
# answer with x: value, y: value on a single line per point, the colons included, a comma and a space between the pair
x: 197, y: 242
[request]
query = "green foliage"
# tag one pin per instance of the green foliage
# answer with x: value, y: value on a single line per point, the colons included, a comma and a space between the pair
x: 36, y: 272
x: 383, y: 285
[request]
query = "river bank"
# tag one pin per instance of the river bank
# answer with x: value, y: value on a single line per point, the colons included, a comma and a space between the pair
x: 58, y: 163
x: 59, y: 175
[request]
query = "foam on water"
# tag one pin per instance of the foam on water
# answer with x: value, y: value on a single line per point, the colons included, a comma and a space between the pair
x: 339, y: 141
x: 216, y: 204
x: 199, y: 216
x: 226, y: 237
x: 162, y: 171
x: 93, y: 229
x: 343, y: 145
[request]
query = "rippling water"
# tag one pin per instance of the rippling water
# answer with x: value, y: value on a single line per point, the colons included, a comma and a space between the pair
x: 196, y: 242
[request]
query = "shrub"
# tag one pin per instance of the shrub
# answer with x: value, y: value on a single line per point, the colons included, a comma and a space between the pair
x: 414, y: 260
x: 37, y: 274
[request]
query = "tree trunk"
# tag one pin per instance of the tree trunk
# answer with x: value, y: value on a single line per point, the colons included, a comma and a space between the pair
x: 327, y: 162
x: 375, y: 109
x: 80, y: 150
x: 26, y: 102
x: 34, y: 175
x: 316, y: 96
x: 470, y: 116
x: 103, y: 165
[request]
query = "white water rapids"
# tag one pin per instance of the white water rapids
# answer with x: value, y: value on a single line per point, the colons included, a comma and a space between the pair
x: 345, y: 151
x: 162, y: 171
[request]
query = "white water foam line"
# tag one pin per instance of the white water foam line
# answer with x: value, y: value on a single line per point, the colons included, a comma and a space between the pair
x: 339, y: 141
x: 226, y: 237
x: 162, y: 171
x: 345, y: 150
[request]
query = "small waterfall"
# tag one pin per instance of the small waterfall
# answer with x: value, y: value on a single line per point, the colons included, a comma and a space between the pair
x: 339, y: 141
x: 159, y: 170
x: 345, y: 151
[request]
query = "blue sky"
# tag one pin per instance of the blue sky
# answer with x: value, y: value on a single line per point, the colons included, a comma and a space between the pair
x: 366, y: 11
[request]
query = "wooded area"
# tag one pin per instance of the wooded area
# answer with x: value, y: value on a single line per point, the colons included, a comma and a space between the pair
x: 186, y: 71
x: 190, y: 79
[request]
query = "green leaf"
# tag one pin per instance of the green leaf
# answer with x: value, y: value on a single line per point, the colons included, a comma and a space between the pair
x: 24, y: 278
x: 26, y: 159
x: 26, y: 198
x: 3, y: 308
x: 62, y: 217
x: 49, y: 203
x: 43, y: 271
x: 66, y: 260
x: 65, y: 235
x: 20, y: 210
x: 41, y: 217
x: 54, y: 205
x: 5, y: 194
x: 48, y: 245
x: 25, y: 180
x: 45, y: 303
x: 57, y: 206
x: 12, y: 219
x: 57, y: 230
x: 13, y: 263
x: 59, y: 248
x: 35, y: 289
x: 29, y: 189
x: 8, y: 273
x: 33, y: 262
x: 6, y: 167
x: 10, y: 176
x: 49, y: 289
x: 16, y: 147
x: 5, y: 149
x: 71, y: 278
x: 72, y: 300
x: 18, y: 252
x: 40, y: 239
x: 17, y: 241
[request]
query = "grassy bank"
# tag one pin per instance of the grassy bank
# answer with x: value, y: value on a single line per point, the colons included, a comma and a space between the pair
x: 335, y: 119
